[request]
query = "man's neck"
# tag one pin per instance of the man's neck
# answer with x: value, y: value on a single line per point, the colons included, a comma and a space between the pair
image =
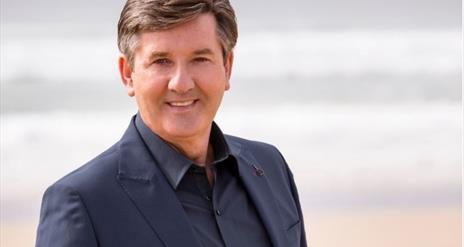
x: 199, y: 151
x: 196, y: 148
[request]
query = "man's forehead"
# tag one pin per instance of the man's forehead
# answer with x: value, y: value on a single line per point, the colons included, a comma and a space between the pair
x: 201, y: 26
x: 153, y: 44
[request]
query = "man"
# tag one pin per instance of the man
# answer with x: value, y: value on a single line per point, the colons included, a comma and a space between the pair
x: 174, y: 179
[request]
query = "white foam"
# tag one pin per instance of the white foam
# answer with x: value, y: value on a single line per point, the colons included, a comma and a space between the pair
x: 272, y: 54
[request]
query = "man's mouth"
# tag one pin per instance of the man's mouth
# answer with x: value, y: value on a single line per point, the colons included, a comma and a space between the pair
x: 181, y: 103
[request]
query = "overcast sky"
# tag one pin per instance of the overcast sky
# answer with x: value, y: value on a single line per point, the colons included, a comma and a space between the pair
x: 96, y: 15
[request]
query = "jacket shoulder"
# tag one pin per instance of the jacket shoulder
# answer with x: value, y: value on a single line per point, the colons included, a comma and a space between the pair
x: 259, y: 150
x: 94, y: 172
x: 68, y: 204
x: 260, y: 154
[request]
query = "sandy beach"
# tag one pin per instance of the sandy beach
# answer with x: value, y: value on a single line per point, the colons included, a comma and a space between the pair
x: 426, y: 227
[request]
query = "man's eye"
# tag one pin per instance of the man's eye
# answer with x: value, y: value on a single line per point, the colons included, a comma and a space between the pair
x: 162, y: 61
x: 201, y: 59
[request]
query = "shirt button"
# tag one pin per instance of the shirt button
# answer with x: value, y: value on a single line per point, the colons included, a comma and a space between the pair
x: 218, y: 212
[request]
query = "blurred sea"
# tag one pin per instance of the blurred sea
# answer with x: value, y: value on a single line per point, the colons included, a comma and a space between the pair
x: 278, y: 67
x: 366, y: 119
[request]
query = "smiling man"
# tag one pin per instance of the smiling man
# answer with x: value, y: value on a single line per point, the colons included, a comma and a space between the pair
x: 174, y: 179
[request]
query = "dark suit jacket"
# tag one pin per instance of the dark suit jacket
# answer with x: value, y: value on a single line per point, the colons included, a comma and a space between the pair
x: 122, y: 199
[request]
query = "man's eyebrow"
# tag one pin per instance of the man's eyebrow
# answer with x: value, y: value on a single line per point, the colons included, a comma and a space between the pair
x: 205, y: 51
x: 158, y: 54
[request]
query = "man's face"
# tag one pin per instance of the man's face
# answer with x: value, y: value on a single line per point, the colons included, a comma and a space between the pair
x: 178, y: 78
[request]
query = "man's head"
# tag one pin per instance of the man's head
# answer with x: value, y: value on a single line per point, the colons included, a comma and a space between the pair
x: 138, y: 16
x: 177, y: 60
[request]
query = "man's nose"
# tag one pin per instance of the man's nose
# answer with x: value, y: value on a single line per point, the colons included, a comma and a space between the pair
x: 182, y: 81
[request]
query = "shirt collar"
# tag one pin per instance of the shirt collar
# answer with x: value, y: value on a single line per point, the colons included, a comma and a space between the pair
x: 173, y: 164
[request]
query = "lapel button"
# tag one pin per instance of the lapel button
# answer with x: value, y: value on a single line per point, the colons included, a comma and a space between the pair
x: 259, y: 172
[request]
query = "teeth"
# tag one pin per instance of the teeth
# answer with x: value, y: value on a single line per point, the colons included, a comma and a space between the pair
x: 181, y: 103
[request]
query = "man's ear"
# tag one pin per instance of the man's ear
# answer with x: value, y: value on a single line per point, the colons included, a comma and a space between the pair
x: 125, y: 71
x: 228, y: 67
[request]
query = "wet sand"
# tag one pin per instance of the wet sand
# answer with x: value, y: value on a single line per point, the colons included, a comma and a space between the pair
x: 428, y: 227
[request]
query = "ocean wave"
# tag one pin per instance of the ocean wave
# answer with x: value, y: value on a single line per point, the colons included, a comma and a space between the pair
x: 272, y: 54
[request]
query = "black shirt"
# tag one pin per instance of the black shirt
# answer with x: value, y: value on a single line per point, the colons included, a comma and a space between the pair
x: 222, y: 214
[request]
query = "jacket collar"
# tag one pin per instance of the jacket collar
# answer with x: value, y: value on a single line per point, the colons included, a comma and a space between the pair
x: 173, y: 164
x: 256, y: 183
x: 148, y: 188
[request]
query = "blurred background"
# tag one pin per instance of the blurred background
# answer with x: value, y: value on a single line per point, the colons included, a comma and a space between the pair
x: 363, y: 98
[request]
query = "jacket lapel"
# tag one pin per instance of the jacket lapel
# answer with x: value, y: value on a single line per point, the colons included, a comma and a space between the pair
x: 257, y: 186
x: 151, y: 193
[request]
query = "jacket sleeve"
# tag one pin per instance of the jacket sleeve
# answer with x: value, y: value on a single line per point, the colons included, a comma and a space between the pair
x: 296, y: 199
x: 303, y: 242
x: 64, y: 221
